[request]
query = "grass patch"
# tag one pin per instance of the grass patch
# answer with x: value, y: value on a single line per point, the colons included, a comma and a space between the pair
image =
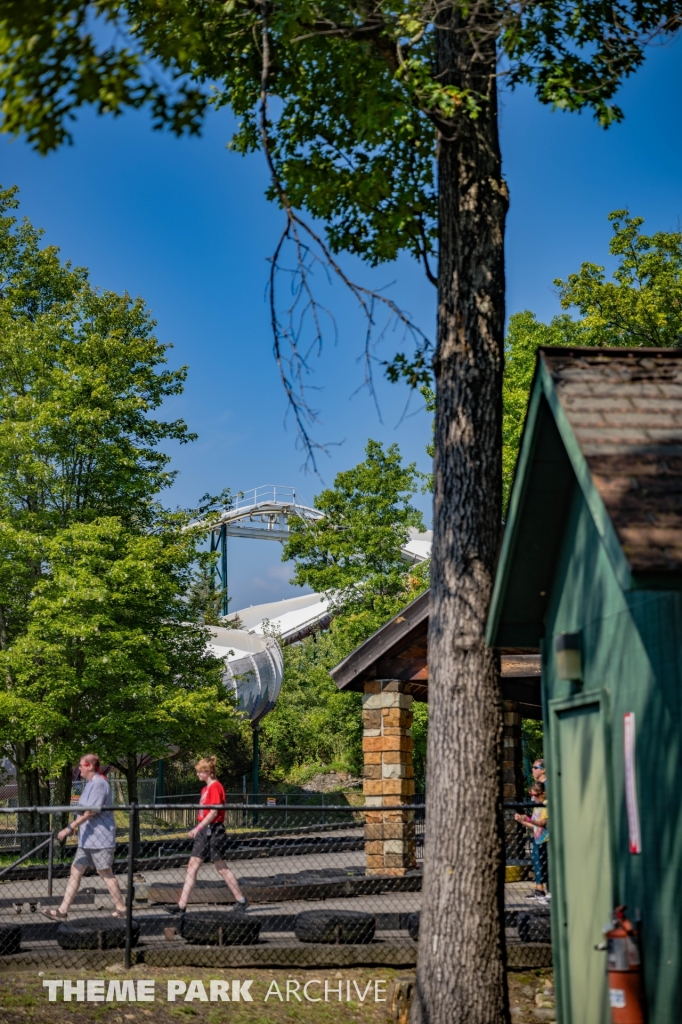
x: 23, y: 998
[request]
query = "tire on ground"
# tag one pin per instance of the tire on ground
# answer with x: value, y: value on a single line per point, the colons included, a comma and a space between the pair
x: 10, y: 939
x: 95, y: 933
x: 220, y: 929
x: 335, y: 926
x: 412, y: 925
x: 534, y: 927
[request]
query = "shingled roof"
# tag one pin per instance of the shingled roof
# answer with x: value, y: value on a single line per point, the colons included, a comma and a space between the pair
x: 624, y: 407
x: 605, y: 424
x: 399, y: 650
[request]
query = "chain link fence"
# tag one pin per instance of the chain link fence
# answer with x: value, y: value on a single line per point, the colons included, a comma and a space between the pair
x: 302, y: 868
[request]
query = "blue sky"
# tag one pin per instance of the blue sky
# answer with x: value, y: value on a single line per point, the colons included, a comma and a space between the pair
x: 184, y: 224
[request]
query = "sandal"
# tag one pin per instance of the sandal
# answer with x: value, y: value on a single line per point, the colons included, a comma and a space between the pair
x: 120, y: 914
x: 54, y: 914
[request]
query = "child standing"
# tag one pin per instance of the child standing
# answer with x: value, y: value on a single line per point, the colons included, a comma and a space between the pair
x: 537, y: 821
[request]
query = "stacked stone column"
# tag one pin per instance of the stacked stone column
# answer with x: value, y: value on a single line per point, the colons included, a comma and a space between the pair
x: 512, y: 758
x: 389, y: 777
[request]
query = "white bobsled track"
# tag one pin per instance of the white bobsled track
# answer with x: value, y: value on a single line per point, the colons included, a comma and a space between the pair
x: 253, y: 669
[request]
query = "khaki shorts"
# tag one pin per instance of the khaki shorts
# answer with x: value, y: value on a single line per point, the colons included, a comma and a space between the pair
x: 100, y: 859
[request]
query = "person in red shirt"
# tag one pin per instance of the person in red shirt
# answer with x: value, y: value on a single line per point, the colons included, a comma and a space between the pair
x: 209, y: 839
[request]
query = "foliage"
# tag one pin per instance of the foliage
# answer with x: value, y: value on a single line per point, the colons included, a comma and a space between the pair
x: 204, y: 598
x: 354, y: 553
x: 532, y: 744
x: 429, y: 396
x: 314, y: 726
x: 107, y: 652
x: 79, y: 380
x: 640, y: 306
x: 525, y: 335
x: 359, y: 98
x: 92, y: 638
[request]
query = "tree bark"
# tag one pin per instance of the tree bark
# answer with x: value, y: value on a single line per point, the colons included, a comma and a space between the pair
x: 62, y: 797
x: 461, y: 970
x: 28, y: 795
x: 131, y: 775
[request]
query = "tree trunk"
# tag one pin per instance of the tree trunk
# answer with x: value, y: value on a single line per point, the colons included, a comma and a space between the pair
x: 28, y: 795
x: 461, y: 971
x: 62, y: 797
x: 130, y: 773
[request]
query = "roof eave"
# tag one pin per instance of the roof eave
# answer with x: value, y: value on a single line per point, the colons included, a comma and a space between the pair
x: 600, y: 516
x: 519, y: 487
x: 543, y: 386
x: 359, y: 660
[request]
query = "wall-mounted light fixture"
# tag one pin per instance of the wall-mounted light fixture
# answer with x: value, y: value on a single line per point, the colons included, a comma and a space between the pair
x: 569, y: 660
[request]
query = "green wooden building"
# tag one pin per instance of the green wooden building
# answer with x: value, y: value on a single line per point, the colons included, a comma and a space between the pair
x: 590, y: 574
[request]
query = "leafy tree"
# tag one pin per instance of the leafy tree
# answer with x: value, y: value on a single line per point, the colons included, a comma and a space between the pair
x: 354, y: 553
x: 641, y: 306
x: 313, y: 727
x: 386, y: 129
x: 108, y: 656
x: 532, y: 745
x: 81, y: 374
x: 204, y: 597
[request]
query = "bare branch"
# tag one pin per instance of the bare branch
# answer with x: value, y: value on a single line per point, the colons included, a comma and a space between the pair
x: 311, y: 250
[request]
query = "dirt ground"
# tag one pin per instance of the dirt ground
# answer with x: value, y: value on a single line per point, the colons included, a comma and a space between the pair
x: 531, y: 996
x: 24, y: 998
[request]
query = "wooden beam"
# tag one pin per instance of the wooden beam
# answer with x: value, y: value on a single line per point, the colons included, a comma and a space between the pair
x: 402, y: 668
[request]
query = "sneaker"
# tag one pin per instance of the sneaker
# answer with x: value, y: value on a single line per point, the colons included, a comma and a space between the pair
x: 240, y: 907
x: 546, y: 899
x: 175, y: 908
x: 535, y: 895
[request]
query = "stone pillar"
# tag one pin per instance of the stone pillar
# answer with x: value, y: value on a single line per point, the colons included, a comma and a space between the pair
x: 389, y: 777
x: 512, y: 763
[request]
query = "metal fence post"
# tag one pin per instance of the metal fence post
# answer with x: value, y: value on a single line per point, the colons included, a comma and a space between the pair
x: 256, y: 768
x: 50, y: 855
x: 130, y: 890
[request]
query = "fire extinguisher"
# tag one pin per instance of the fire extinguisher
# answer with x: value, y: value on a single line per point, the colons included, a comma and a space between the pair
x: 624, y: 970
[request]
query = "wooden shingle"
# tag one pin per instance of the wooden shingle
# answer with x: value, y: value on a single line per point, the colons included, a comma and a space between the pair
x: 624, y: 407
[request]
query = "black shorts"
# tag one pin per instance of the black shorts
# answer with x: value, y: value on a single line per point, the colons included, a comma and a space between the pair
x: 210, y: 843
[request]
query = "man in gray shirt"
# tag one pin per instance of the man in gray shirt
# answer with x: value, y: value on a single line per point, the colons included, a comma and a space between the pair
x: 96, y: 839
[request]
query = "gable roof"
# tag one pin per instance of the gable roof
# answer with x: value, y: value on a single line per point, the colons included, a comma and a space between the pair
x: 399, y: 650
x: 610, y: 422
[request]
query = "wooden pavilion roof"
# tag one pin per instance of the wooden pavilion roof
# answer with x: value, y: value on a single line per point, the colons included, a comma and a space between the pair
x: 399, y: 650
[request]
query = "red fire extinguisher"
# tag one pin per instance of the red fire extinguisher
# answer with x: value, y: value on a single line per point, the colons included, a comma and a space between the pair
x: 624, y: 970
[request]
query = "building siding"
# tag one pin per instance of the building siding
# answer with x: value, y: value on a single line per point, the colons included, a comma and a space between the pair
x: 632, y: 654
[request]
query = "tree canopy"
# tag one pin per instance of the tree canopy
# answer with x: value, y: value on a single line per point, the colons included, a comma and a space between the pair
x: 354, y: 554
x: 94, y: 634
x: 107, y: 655
x: 640, y: 306
x: 359, y: 101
